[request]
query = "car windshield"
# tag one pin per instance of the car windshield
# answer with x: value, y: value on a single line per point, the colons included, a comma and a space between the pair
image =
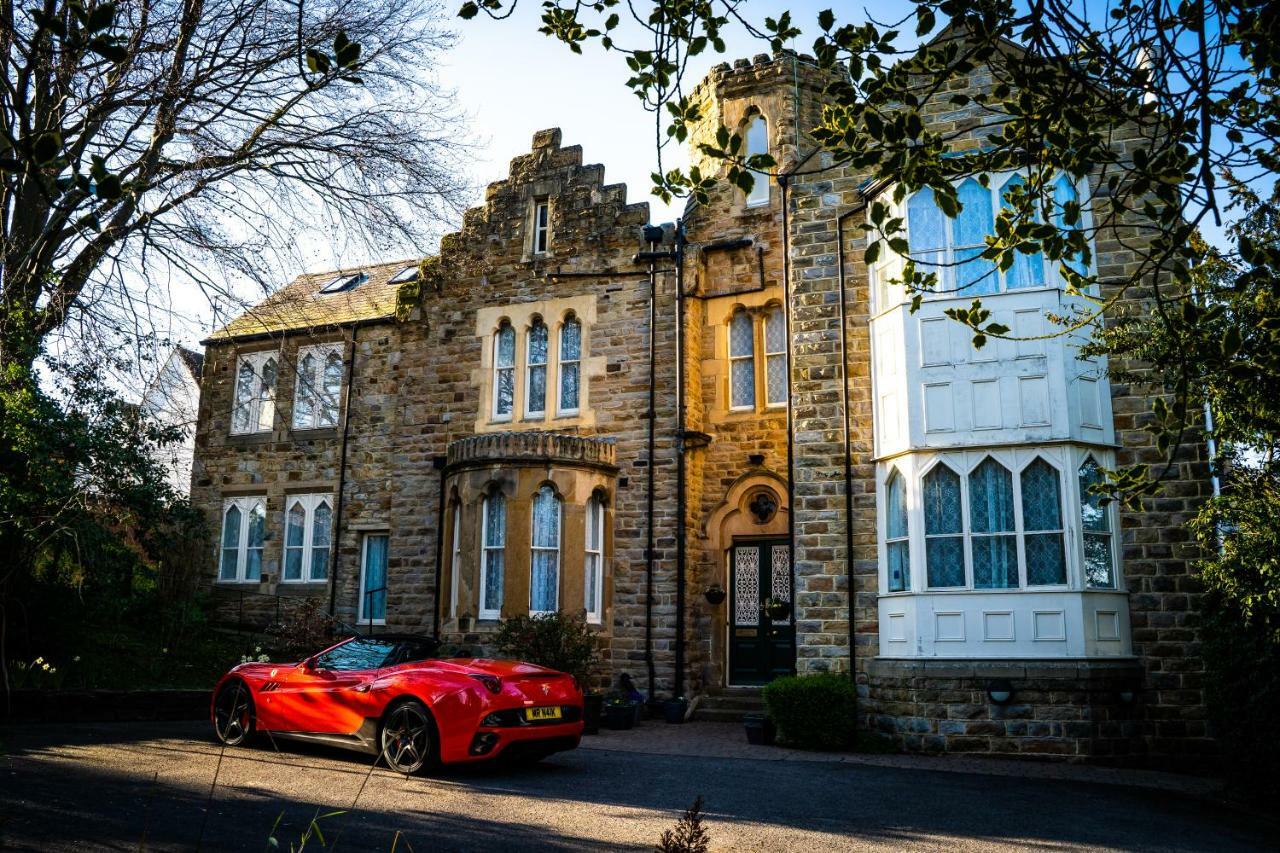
x: 374, y: 653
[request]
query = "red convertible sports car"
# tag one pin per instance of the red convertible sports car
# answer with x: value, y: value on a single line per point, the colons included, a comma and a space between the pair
x: 389, y: 694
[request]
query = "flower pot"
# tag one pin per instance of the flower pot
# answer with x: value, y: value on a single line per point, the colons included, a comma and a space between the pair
x: 760, y: 730
x: 592, y: 710
x: 638, y: 711
x: 673, y: 710
x: 619, y: 716
x: 714, y: 594
x: 778, y: 610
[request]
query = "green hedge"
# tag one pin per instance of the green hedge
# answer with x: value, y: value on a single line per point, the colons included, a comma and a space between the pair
x: 813, y: 711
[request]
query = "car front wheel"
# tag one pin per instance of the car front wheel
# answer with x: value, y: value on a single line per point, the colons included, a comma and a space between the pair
x: 233, y: 718
x: 407, y: 737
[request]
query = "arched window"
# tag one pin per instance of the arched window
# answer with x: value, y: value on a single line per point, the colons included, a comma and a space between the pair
x: 593, y: 563
x: 544, y: 582
x: 969, y: 232
x: 897, y: 546
x: 1095, y: 519
x: 1042, y: 525
x: 306, y: 538
x: 570, y: 365
x: 319, y: 381
x: 1067, y: 216
x: 742, y: 361
x: 995, y: 546
x: 758, y: 143
x: 927, y: 233
x: 775, y: 357
x: 244, y: 524
x: 254, y: 409
x: 493, y: 535
x: 1027, y: 270
x: 504, y: 371
x: 455, y: 563
x: 536, y: 370
x: 943, y: 528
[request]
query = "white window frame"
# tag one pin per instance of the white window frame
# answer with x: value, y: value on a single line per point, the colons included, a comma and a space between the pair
x: 593, y: 560
x: 455, y: 563
x: 770, y: 355
x: 309, y: 504
x: 889, y: 265
x: 964, y: 466
x: 1112, y: 533
x: 364, y: 560
x: 751, y: 357
x: 906, y: 535
x: 499, y: 368
x: 541, y: 226
x: 259, y: 404
x: 246, y: 506
x: 321, y: 354
x: 485, y: 548
x: 759, y: 195
x: 561, y: 362
x: 534, y: 549
x: 530, y: 366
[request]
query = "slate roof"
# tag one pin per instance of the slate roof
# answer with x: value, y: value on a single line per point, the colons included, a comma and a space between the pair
x: 300, y: 304
x: 193, y: 360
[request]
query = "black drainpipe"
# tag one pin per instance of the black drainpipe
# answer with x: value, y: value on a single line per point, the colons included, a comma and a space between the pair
x: 342, y: 476
x: 783, y: 181
x: 681, y: 503
x: 848, y: 451
x: 653, y: 236
x: 438, y: 462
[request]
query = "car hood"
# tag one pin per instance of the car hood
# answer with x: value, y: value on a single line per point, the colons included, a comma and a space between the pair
x: 261, y: 670
x: 507, y: 669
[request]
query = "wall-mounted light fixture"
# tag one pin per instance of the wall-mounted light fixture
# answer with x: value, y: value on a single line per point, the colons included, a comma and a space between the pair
x: 1000, y: 691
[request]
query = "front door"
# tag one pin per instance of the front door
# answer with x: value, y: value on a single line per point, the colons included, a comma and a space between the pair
x: 761, y: 648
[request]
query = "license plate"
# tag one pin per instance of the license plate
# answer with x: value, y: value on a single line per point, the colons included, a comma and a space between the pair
x: 549, y: 713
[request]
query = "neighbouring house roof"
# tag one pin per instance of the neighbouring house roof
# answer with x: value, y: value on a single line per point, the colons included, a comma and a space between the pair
x: 323, y: 299
x: 192, y: 360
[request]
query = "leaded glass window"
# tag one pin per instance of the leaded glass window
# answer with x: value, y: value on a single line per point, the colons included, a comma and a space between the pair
x: 231, y: 522
x: 504, y: 371
x: 742, y: 361
x: 321, y: 532
x: 306, y: 538
x: 254, y: 406
x: 544, y: 584
x: 244, y: 522
x: 974, y: 275
x: 1067, y: 216
x: 943, y: 528
x: 927, y: 231
x: 1095, y: 519
x: 267, y: 396
x: 775, y: 356
x: 570, y: 364
x: 319, y: 381
x: 253, y: 541
x: 1042, y: 525
x: 536, y: 369
x: 294, y: 538
x: 994, y: 542
x: 493, y: 555
x: 897, y: 546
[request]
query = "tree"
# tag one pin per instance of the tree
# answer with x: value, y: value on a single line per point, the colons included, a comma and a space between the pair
x: 1190, y: 86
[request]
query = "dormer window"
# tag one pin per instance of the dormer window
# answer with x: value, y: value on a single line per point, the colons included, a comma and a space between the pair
x: 758, y: 143
x: 541, y: 226
x: 346, y: 281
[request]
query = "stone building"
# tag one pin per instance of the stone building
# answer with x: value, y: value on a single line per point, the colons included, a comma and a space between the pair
x: 667, y: 428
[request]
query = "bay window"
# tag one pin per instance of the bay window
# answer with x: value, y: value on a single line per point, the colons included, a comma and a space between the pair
x: 897, y: 541
x: 493, y: 536
x: 1095, y: 519
x: 544, y: 582
x: 593, y: 561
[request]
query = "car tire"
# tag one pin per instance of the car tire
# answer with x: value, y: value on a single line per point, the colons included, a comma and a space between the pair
x: 407, y: 738
x: 234, y: 717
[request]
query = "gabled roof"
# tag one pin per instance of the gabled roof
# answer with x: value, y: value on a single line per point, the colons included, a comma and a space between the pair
x: 192, y: 360
x: 300, y: 305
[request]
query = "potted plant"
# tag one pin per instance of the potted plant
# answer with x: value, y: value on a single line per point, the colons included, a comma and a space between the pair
x: 760, y: 730
x: 674, y: 709
x: 714, y: 594
x: 619, y: 712
x: 777, y: 609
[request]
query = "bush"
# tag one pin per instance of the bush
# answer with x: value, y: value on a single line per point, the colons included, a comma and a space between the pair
x: 813, y: 711
x: 553, y: 640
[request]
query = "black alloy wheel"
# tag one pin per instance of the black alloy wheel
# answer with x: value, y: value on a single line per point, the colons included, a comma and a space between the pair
x: 407, y: 737
x: 233, y: 718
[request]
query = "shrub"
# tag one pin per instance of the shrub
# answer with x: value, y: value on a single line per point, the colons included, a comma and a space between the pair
x: 553, y: 640
x: 813, y: 711
x: 304, y: 630
x: 689, y: 835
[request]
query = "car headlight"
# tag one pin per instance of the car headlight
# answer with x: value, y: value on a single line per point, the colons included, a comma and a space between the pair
x: 491, y: 683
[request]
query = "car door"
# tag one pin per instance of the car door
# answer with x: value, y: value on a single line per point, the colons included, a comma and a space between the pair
x: 327, y: 694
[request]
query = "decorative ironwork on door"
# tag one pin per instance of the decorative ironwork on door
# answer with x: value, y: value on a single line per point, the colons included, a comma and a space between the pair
x: 746, y: 588
x: 781, y: 587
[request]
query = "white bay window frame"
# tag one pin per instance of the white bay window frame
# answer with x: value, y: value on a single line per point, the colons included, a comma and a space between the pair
x: 241, y: 544
x: 311, y: 567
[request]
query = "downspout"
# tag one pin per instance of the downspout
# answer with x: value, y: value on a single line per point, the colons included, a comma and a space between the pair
x: 342, y: 476
x: 783, y: 182
x: 848, y: 450
x: 681, y: 502
x: 439, y: 463
x: 649, y: 510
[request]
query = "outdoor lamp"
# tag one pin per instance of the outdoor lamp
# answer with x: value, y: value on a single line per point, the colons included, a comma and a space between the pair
x: 1000, y: 691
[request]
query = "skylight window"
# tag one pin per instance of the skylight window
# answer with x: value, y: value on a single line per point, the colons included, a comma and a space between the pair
x: 406, y: 274
x: 346, y: 281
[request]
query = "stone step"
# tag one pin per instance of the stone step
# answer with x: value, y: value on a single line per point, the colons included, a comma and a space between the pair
x: 733, y: 703
x: 717, y: 715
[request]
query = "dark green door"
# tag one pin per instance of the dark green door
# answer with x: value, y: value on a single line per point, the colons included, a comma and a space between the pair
x: 760, y: 648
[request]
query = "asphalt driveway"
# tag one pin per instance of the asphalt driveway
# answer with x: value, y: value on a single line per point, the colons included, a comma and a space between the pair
x: 129, y: 786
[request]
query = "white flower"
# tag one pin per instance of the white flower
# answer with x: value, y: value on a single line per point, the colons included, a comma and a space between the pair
x: 264, y: 659
x: 76, y: 659
x: 45, y: 667
x: 39, y: 660
x: 164, y: 651
x: 53, y: 670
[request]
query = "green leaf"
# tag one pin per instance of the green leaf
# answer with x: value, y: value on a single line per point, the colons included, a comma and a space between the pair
x: 109, y: 188
x: 46, y: 148
x: 872, y: 253
x: 100, y: 17
x: 826, y: 19
x: 468, y: 11
x: 317, y: 61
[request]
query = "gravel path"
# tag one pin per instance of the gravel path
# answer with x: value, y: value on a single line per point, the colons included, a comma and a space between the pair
x: 120, y: 786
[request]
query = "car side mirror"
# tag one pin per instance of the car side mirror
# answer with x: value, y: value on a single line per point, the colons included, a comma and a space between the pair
x: 309, y: 665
